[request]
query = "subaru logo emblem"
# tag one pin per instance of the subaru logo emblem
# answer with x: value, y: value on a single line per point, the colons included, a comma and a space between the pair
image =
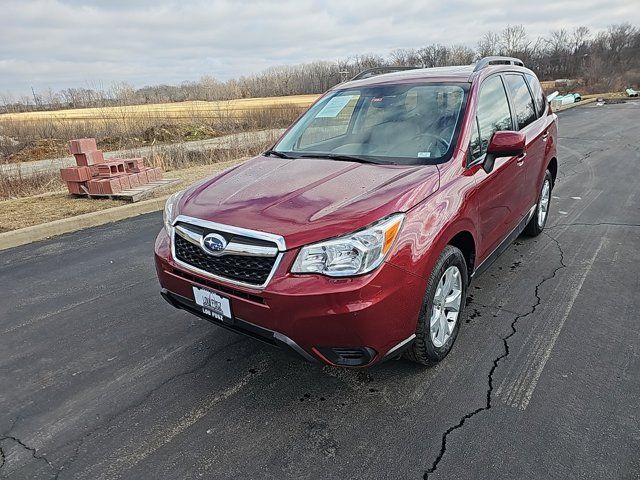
x: 214, y: 243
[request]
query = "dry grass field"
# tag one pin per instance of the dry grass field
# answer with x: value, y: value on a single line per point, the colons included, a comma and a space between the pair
x: 184, y: 111
x: 166, y: 127
x: 174, y: 158
x: 41, y: 135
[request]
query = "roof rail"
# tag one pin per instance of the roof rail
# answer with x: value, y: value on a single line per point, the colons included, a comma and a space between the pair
x: 486, y: 61
x: 371, y: 72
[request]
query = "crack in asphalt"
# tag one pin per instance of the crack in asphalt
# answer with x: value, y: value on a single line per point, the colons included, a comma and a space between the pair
x: 560, y: 137
x: 594, y: 225
x: 200, y: 365
x: 495, y: 307
x: 569, y: 167
x: 33, y: 451
x: 488, y: 405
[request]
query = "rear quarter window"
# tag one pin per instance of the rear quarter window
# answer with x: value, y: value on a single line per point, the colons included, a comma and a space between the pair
x: 539, y: 98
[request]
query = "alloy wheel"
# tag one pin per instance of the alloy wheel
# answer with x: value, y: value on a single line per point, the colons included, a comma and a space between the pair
x: 446, y: 306
x: 543, y: 205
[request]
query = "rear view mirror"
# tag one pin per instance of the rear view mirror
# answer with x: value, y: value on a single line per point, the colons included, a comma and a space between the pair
x: 503, y: 144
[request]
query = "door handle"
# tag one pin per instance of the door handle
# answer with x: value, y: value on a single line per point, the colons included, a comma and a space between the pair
x: 520, y: 158
x: 545, y: 135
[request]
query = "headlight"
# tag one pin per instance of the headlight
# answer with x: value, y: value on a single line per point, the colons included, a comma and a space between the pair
x: 170, y: 210
x: 354, y: 254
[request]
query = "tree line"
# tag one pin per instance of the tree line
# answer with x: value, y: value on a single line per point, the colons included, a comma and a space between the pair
x: 604, y: 61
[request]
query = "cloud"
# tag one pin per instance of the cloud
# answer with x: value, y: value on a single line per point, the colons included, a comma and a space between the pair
x: 72, y: 43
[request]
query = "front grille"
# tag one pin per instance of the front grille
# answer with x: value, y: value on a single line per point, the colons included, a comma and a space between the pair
x: 241, y: 268
x: 218, y: 286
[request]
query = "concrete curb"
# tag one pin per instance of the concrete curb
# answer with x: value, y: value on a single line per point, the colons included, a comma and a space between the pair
x: 573, y: 105
x: 43, y: 231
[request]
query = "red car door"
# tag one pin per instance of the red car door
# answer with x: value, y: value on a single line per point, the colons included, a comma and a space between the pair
x: 499, y: 195
x: 535, y: 131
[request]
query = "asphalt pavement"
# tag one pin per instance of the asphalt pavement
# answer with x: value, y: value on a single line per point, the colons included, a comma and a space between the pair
x: 101, y: 379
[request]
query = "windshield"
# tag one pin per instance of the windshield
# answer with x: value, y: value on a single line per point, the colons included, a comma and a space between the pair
x: 399, y: 124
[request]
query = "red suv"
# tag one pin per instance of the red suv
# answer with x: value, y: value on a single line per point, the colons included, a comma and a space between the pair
x: 354, y: 238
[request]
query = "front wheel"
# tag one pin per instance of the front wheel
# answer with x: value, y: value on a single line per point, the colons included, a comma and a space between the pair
x: 539, y: 219
x: 442, y: 308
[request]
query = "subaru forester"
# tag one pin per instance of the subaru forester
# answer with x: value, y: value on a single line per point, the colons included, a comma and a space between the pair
x: 353, y: 239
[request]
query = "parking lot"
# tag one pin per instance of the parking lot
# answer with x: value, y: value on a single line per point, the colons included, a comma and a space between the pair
x: 101, y: 379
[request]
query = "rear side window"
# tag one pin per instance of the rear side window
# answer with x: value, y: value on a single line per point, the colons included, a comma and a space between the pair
x: 522, y: 101
x: 539, y: 98
x: 493, y: 112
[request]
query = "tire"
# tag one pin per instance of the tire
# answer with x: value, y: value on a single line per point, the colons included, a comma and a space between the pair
x: 426, y: 349
x: 536, y: 224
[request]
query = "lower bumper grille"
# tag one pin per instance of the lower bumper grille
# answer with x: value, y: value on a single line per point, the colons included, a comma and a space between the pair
x: 241, y: 268
x: 348, y: 356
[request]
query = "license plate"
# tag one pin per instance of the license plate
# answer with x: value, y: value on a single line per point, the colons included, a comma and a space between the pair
x: 212, y: 304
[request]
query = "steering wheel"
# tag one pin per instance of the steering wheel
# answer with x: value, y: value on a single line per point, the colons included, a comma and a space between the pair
x: 381, y: 150
x: 435, y: 139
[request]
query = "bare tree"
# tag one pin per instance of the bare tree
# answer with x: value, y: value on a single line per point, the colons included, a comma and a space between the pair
x: 461, y: 55
x: 489, y: 45
x: 580, y: 37
x: 610, y: 59
x: 514, y: 40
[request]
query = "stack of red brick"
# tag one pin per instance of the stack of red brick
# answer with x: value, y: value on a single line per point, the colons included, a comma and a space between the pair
x: 97, y: 175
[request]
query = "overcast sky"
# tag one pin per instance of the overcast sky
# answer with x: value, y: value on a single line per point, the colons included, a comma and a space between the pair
x: 73, y: 43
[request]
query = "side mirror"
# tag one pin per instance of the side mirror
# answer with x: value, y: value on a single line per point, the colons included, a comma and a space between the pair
x: 503, y: 144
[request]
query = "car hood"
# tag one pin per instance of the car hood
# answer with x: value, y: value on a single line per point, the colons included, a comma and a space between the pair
x: 306, y: 200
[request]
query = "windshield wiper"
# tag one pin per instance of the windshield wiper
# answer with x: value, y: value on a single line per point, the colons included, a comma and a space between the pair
x: 336, y: 156
x: 276, y: 153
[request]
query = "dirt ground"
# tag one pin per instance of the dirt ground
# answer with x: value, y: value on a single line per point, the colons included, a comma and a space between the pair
x: 29, y: 211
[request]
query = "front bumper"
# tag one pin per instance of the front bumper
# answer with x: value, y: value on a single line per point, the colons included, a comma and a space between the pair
x: 312, y: 315
x: 238, y: 325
